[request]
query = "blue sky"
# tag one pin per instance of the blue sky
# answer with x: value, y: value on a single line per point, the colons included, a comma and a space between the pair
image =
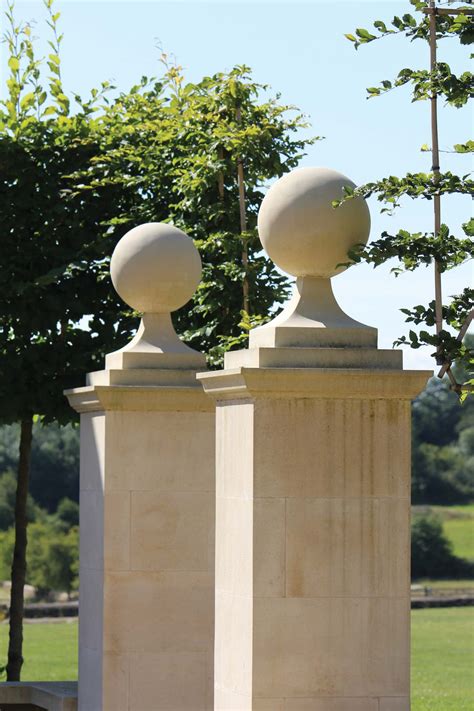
x: 300, y: 50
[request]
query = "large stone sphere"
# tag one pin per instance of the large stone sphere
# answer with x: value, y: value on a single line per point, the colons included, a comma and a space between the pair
x: 300, y: 229
x: 155, y: 268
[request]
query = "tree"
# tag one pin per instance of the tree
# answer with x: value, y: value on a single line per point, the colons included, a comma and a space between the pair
x: 54, y: 469
x: 67, y: 514
x: 431, y: 552
x: 52, y: 556
x: 53, y: 271
x: 189, y: 150
x: 440, y: 246
x: 442, y: 450
x: 7, y: 502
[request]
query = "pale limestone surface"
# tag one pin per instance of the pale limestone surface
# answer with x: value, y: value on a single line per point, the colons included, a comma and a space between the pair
x: 147, y: 492
x: 156, y: 269
x: 309, y: 238
x: 302, y: 232
x: 312, y: 550
x: 312, y: 487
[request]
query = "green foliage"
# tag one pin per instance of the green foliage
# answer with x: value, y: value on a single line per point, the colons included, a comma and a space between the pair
x: 431, y: 552
x: 415, y: 249
x: 177, y: 145
x: 67, y: 514
x: 7, y: 502
x: 415, y: 28
x: 454, y: 314
x: 414, y: 185
x: 53, y: 271
x: 443, y: 445
x: 457, y: 90
x: 54, y: 462
x: 52, y: 557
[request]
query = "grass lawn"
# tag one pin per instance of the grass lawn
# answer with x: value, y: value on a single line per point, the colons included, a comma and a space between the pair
x: 460, y: 532
x: 443, y: 659
x: 50, y: 651
x: 442, y: 656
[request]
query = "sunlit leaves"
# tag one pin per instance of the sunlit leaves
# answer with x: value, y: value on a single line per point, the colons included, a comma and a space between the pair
x: 467, y: 147
x: 171, y: 149
x: 413, y: 250
x: 457, y: 90
x: 392, y: 189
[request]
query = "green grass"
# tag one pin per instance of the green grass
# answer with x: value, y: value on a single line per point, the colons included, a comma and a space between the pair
x: 461, y: 534
x: 442, y: 656
x: 443, y: 659
x: 50, y: 651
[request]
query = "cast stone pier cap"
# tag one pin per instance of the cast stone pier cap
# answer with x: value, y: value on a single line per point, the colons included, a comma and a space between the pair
x: 155, y: 269
x: 308, y: 238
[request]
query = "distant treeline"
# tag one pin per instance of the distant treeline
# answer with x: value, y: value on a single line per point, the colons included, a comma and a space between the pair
x: 443, y: 447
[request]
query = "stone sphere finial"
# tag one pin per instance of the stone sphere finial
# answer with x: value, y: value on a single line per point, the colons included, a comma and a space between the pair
x: 155, y: 268
x: 307, y: 237
x: 300, y: 229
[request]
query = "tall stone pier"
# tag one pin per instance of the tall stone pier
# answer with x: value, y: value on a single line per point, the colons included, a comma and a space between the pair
x: 313, y: 484
x: 147, y: 498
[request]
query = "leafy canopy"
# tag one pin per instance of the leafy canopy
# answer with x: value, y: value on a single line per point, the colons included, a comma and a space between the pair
x: 55, y: 246
x: 173, y: 149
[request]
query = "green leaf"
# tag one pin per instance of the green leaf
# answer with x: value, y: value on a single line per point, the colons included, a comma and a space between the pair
x: 364, y: 34
x: 27, y: 101
x: 14, y: 64
x: 467, y: 147
x: 380, y: 26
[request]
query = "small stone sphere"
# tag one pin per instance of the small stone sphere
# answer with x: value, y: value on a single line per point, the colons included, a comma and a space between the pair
x: 155, y: 268
x: 300, y: 229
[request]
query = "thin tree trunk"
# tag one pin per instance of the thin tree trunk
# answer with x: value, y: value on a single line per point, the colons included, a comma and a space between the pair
x: 436, y: 169
x: 15, y: 646
x: 243, y: 227
x: 220, y: 176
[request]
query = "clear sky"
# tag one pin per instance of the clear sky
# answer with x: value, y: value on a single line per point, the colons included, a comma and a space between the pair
x: 300, y: 50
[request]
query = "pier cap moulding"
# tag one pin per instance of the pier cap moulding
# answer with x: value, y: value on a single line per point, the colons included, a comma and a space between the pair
x: 155, y: 269
x: 310, y: 239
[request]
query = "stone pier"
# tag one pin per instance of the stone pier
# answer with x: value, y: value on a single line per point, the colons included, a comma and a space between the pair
x: 313, y: 484
x: 147, y: 498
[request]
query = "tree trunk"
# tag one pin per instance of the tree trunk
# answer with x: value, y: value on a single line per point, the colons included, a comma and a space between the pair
x: 15, y: 646
x: 243, y: 226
